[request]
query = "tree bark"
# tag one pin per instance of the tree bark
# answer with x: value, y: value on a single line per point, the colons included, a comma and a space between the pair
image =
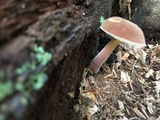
x: 65, y: 29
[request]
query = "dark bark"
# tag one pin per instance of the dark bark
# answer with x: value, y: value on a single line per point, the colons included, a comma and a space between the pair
x: 64, y: 29
x: 53, y: 101
x: 145, y: 13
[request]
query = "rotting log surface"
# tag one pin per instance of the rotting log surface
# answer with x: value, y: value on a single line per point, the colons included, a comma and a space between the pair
x: 68, y: 33
x: 17, y: 15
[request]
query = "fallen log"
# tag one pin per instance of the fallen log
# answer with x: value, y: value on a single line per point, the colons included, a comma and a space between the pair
x: 67, y: 33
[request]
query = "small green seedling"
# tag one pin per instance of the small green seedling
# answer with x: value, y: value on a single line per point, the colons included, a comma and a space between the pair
x: 101, y: 19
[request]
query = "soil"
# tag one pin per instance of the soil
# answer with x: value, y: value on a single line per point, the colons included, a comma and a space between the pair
x: 125, y: 91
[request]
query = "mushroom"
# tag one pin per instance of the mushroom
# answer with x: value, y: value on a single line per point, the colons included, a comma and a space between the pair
x: 121, y: 30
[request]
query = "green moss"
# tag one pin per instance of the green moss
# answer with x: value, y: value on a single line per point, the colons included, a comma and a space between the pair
x: 31, y: 77
x: 2, y: 117
x: 40, y: 80
x: 20, y: 87
x: 35, y: 80
x: 42, y: 56
x: 6, y: 88
x: 26, y: 66
x: 38, y: 49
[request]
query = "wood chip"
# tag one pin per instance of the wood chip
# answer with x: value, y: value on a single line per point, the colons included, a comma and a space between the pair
x: 138, y: 113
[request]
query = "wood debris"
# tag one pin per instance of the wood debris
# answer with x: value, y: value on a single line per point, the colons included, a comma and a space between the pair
x: 129, y: 90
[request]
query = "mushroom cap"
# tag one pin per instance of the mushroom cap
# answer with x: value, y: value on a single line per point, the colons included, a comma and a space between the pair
x: 124, y: 31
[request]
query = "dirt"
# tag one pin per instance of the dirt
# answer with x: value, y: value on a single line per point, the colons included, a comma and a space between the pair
x: 125, y: 91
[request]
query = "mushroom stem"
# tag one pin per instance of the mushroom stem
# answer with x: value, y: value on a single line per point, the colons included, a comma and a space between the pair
x: 102, y: 56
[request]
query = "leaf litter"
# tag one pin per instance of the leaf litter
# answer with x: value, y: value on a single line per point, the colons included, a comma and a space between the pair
x: 130, y: 90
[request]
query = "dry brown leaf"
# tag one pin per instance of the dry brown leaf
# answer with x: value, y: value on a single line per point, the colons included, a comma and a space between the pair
x: 111, y: 75
x: 90, y: 95
x: 119, y: 56
x: 114, y: 72
x: 123, y: 118
x: 150, y: 46
x: 149, y: 73
x: 157, y: 49
x: 88, y: 116
x: 158, y: 118
x: 143, y: 109
x: 138, y: 113
x: 157, y: 75
x: 85, y: 82
x: 91, y: 80
x: 71, y: 94
x: 150, y: 107
x: 92, y: 110
x: 119, y: 113
x: 125, y: 78
x: 121, y: 105
x: 157, y: 88
x: 134, y: 118
x: 150, y: 98
x: 125, y: 56
x: 137, y: 52
x: 155, y: 59
x: 76, y: 108
x: 157, y: 85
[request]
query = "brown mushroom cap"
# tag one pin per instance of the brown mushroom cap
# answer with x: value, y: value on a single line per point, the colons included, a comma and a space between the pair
x: 124, y: 31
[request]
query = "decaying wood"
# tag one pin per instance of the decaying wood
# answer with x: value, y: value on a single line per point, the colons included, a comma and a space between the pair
x: 16, y: 16
x: 66, y: 31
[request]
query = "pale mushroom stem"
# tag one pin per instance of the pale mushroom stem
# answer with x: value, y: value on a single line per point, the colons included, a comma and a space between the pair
x: 102, y: 56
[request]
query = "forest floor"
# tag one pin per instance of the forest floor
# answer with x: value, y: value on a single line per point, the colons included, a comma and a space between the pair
x: 129, y: 90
